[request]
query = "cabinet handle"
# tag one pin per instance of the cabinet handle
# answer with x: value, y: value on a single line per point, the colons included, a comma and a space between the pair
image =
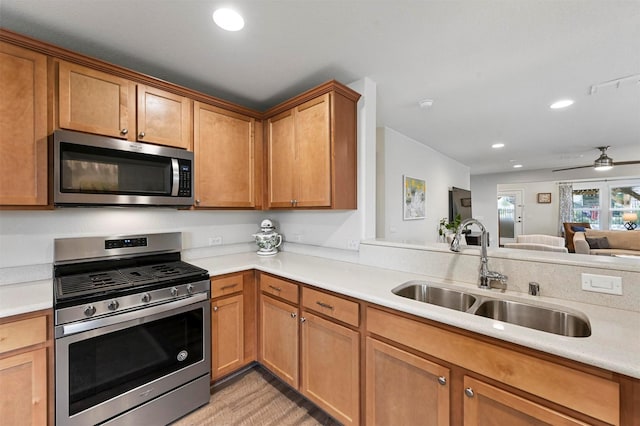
x: 215, y: 309
x: 275, y: 288
x: 124, y: 131
x: 197, y: 201
x: 302, y: 319
x: 442, y: 380
x: 469, y: 392
x: 293, y: 315
x: 141, y: 135
x: 224, y: 287
x: 325, y: 305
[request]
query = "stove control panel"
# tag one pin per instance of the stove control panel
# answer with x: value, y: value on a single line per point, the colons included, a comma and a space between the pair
x: 113, y: 305
x: 125, y: 242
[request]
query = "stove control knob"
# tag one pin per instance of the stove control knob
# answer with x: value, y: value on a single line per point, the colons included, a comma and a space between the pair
x: 189, y: 289
x: 113, y: 305
x: 174, y: 291
x: 146, y: 298
x: 89, y: 310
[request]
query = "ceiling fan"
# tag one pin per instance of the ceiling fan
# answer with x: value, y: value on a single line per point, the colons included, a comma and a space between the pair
x: 604, y: 162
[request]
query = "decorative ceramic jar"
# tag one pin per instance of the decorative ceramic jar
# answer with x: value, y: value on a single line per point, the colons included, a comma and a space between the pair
x: 268, y: 240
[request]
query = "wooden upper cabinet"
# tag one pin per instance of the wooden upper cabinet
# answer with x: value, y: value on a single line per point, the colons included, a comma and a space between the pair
x: 225, y: 154
x: 164, y: 118
x: 96, y: 102
x: 281, y: 159
x: 312, y: 150
x: 23, y: 127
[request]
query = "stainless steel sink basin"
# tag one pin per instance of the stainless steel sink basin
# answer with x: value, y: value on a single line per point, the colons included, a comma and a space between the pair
x: 427, y: 293
x: 537, y: 317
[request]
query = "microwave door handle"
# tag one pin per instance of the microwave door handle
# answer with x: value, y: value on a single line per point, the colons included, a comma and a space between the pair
x: 176, y: 177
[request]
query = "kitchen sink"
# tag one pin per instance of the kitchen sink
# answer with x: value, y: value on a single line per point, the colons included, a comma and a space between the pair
x: 427, y: 293
x: 537, y: 317
x: 547, y: 319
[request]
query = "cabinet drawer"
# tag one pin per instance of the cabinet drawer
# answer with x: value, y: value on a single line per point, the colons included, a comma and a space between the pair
x: 566, y: 386
x: 279, y: 288
x: 332, y: 306
x: 227, y: 285
x: 20, y: 334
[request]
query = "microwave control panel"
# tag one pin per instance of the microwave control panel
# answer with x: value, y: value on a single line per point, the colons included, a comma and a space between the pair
x: 184, y: 190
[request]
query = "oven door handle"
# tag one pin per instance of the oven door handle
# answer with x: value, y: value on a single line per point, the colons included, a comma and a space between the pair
x: 138, y: 314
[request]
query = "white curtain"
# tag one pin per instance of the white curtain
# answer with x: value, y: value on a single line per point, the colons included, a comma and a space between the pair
x: 565, y: 198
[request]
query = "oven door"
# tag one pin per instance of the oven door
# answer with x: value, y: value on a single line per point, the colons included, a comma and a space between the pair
x: 107, y: 366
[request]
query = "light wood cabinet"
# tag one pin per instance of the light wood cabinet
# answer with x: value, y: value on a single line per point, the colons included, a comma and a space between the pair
x: 23, y: 127
x: 330, y: 366
x: 404, y: 389
x: 97, y: 102
x: 24, y: 374
x: 488, y: 405
x: 312, y: 149
x: 227, y: 328
x: 279, y: 339
x: 228, y: 159
x: 576, y: 391
x: 233, y: 323
x: 164, y: 118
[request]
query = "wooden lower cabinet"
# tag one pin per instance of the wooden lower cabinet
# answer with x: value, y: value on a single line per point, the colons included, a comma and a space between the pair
x: 279, y: 339
x: 227, y: 328
x: 488, y: 405
x: 25, y: 343
x: 330, y: 363
x: 404, y: 389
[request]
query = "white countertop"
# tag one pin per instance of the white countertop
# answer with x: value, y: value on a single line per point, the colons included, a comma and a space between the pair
x: 614, y: 343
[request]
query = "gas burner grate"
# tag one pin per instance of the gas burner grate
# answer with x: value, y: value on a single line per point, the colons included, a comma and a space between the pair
x: 91, y: 283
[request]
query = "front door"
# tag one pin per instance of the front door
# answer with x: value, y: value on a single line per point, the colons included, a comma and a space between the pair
x: 510, y: 215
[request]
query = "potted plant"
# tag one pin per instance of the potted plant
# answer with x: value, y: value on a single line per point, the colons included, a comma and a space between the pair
x: 448, y: 227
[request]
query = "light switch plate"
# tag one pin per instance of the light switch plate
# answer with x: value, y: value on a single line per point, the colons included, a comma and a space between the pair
x: 602, y: 283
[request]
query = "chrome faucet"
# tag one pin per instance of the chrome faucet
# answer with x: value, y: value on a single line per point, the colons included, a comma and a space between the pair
x: 486, y: 276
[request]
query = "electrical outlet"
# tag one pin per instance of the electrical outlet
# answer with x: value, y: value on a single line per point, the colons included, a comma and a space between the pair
x: 353, y: 245
x: 297, y: 238
x: 602, y: 283
x: 215, y: 241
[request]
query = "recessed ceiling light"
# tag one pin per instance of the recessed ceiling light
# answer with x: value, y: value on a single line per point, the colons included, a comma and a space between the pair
x: 517, y: 166
x: 426, y: 103
x: 228, y: 19
x: 497, y: 145
x: 563, y: 103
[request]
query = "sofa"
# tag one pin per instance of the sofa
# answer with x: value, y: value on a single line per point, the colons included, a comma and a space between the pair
x: 607, y: 243
x: 570, y: 228
x: 538, y: 242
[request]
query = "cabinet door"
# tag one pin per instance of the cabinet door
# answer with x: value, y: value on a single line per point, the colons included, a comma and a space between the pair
x: 225, y: 157
x: 95, y: 102
x: 404, y: 389
x: 164, y: 118
x: 227, y: 340
x: 313, y: 153
x: 281, y: 160
x: 23, y: 127
x: 23, y: 380
x: 330, y: 367
x: 487, y: 405
x: 279, y: 339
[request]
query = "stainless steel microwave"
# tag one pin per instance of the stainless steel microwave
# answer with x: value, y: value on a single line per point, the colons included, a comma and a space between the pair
x: 91, y: 170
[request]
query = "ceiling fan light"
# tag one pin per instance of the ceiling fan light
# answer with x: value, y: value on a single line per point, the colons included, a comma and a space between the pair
x: 603, y: 163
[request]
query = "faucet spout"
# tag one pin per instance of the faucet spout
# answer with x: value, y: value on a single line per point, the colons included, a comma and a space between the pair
x: 486, y: 276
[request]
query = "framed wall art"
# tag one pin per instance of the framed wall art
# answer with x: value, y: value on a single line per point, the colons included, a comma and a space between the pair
x: 414, y: 200
x: 544, y: 197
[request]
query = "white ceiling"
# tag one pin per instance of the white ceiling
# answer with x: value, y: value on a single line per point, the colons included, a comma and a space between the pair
x: 491, y: 67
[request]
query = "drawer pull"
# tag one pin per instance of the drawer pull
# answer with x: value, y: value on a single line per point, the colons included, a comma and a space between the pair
x: 275, y: 288
x: 325, y: 305
x: 224, y: 287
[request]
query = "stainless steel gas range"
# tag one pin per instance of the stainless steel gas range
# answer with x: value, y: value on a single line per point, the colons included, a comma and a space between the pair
x: 132, y: 330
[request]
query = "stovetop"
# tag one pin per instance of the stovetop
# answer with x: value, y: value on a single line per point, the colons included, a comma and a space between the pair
x: 141, y: 277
